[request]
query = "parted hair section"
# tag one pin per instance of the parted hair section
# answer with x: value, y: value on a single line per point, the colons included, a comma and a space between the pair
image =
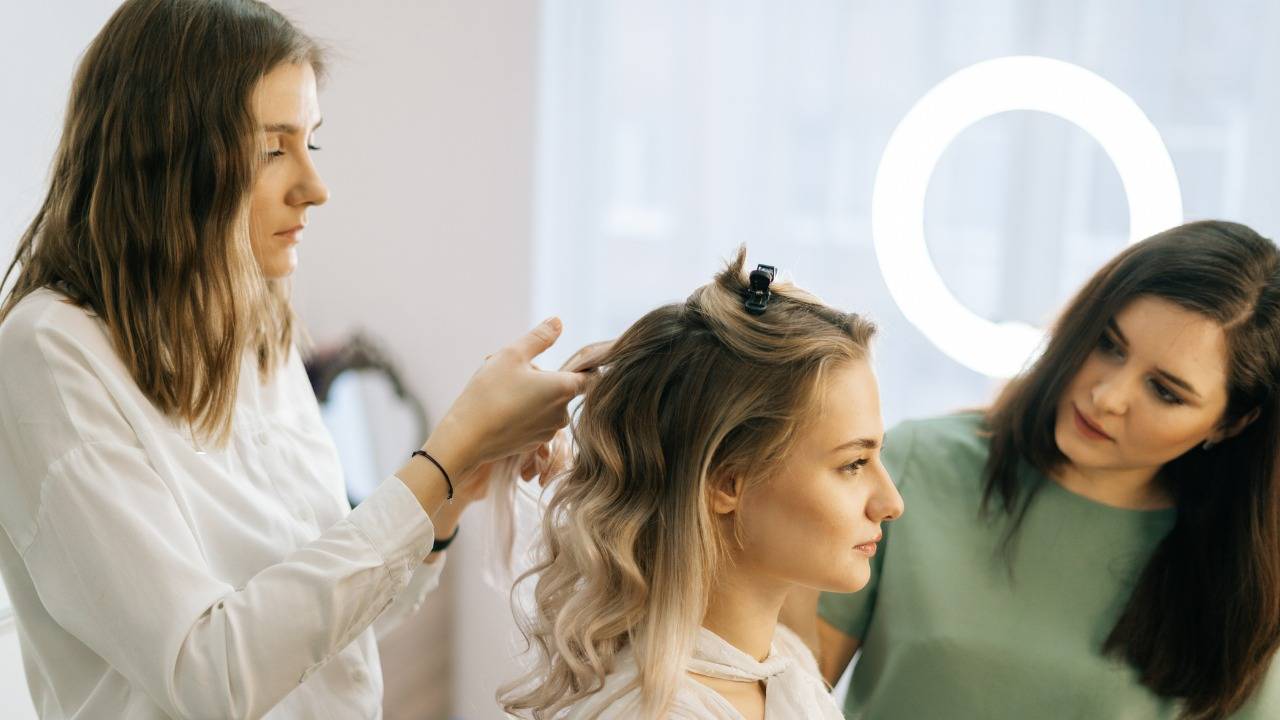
x: 691, y: 392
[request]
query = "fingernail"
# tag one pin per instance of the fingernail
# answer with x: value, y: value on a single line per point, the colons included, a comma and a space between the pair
x: 554, y: 322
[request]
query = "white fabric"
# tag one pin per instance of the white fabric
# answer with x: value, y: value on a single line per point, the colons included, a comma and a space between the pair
x: 155, y: 578
x: 794, y: 689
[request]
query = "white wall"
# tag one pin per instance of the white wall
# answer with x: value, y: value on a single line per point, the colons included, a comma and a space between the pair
x: 428, y: 145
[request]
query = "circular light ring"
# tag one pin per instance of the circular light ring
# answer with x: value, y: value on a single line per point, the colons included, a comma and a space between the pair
x: 977, y: 92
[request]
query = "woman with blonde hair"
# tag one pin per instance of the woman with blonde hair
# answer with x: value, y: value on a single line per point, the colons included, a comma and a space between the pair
x: 177, y: 541
x: 729, y: 452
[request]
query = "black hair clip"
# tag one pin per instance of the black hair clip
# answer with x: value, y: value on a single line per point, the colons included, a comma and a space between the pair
x: 757, y: 296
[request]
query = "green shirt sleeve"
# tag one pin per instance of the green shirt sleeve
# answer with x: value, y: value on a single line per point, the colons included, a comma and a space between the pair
x: 850, y: 613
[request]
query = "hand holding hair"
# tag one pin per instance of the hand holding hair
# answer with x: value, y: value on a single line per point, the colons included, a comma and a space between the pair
x: 551, y: 457
x: 507, y: 408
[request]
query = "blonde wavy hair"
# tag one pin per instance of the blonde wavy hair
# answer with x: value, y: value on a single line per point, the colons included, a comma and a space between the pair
x: 146, y: 219
x: 690, y: 392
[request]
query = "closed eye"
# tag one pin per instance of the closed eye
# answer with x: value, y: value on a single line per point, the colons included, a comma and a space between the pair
x: 273, y: 154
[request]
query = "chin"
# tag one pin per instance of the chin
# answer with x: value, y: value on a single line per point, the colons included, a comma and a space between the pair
x: 852, y: 581
x: 280, y: 267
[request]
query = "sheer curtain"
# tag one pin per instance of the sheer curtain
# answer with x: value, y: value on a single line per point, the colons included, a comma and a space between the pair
x: 671, y: 132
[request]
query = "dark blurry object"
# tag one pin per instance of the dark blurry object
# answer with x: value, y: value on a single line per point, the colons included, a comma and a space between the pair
x: 374, y: 419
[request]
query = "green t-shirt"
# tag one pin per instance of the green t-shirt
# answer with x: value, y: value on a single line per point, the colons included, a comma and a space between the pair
x: 949, y: 632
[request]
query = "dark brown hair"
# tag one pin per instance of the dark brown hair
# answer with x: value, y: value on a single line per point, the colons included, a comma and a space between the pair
x: 146, y: 219
x: 1204, y: 619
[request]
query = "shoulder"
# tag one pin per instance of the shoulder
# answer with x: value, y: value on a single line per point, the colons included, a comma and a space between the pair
x: 619, y: 698
x: 64, y: 384
x: 43, y: 319
x: 947, y: 444
x: 963, y: 432
x: 607, y: 703
x: 55, y: 354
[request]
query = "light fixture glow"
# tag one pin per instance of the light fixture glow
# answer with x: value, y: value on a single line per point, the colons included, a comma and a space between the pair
x: 977, y: 92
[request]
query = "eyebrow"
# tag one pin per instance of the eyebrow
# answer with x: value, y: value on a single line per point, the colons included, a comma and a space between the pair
x: 1173, y: 379
x: 290, y: 128
x: 860, y: 443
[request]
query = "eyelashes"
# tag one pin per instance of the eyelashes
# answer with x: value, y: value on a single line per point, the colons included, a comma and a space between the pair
x: 273, y: 154
x: 853, y: 467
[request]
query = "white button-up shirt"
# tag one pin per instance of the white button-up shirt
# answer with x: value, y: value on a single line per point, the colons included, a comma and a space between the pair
x: 152, y: 577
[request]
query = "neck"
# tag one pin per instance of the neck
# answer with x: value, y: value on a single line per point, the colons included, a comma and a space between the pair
x: 1127, y: 489
x: 744, y: 609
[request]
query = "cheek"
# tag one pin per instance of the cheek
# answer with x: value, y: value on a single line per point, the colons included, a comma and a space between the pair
x: 1162, y: 433
x: 806, y: 533
x: 262, y: 206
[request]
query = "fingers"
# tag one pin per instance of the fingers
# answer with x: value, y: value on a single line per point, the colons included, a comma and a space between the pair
x: 573, y: 384
x: 536, y: 341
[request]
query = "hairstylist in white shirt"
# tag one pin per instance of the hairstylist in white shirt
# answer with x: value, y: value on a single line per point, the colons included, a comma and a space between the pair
x: 177, y: 542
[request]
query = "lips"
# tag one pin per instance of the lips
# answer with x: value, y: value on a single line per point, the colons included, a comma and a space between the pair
x: 1087, y: 427
x: 869, y: 547
x: 292, y: 230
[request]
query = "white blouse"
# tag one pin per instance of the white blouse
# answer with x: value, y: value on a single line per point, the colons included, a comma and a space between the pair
x: 152, y: 577
x: 794, y: 689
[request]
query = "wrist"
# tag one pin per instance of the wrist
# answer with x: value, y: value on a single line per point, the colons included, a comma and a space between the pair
x: 453, y: 447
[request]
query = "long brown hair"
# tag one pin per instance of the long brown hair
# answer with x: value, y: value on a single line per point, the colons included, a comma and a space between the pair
x: 1204, y: 620
x: 146, y: 219
x: 689, y: 392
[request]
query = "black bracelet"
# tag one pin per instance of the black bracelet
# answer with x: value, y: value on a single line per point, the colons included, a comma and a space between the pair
x: 440, y: 545
x: 443, y: 472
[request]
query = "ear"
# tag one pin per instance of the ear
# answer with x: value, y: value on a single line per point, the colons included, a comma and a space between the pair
x: 1237, y: 427
x: 725, y: 492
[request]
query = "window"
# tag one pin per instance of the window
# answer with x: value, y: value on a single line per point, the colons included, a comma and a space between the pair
x: 671, y: 132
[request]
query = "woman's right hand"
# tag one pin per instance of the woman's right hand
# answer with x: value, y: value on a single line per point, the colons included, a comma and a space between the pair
x: 509, y: 406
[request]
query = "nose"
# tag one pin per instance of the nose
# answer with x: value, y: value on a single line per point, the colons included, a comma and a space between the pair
x: 885, y: 502
x: 309, y: 188
x: 1110, y: 395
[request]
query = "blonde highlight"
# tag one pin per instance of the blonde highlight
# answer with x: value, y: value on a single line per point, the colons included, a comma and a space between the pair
x: 690, y: 392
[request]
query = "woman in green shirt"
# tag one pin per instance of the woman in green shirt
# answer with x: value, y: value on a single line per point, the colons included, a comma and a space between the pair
x: 1104, y: 541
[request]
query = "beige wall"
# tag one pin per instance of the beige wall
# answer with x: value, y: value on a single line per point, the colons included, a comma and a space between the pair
x: 428, y: 147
